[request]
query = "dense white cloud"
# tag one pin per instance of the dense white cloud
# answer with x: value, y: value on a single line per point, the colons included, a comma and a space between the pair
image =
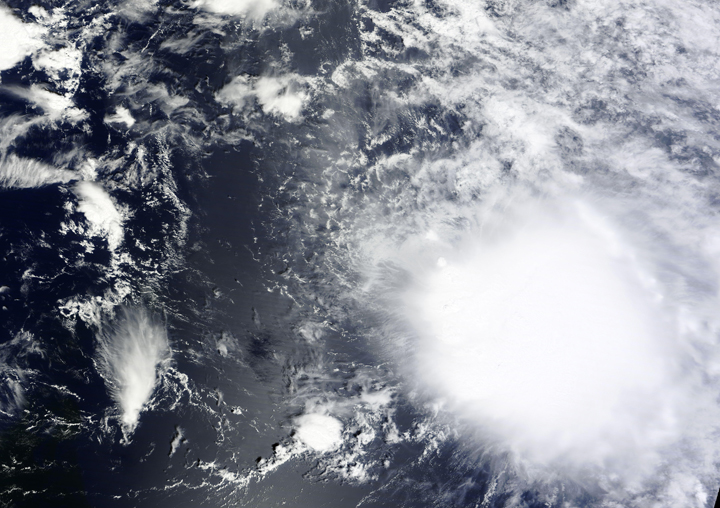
x: 253, y: 9
x: 284, y: 96
x: 321, y: 433
x: 101, y: 213
x: 17, y: 39
x: 281, y: 95
x: 131, y: 356
x: 549, y: 329
x: 236, y: 93
x: 122, y: 115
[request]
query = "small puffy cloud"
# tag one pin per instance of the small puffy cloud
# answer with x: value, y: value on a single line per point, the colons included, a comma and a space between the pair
x: 236, y: 93
x: 122, y: 116
x: 100, y: 211
x: 283, y: 96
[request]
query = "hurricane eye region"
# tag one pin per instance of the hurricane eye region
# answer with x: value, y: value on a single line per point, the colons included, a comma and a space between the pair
x: 546, y: 329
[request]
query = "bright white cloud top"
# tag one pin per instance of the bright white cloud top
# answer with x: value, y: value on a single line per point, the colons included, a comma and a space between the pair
x: 321, y: 433
x: 121, y: 116
x: 132, y: 354
x: 547, y: 330
x: 17, y: 39
x: 252, y: 9
x: 556, y: 330
x: 283, y: 96
x: 101, y: 213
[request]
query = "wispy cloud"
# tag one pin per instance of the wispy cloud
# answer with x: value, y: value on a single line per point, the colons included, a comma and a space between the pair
x: 132, y: 353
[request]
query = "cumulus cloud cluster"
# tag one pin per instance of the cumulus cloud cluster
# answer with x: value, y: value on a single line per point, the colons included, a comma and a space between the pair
x: 252, y: 9
x: 101, y: 213
x: 17, y: 39
x: 283, y: 96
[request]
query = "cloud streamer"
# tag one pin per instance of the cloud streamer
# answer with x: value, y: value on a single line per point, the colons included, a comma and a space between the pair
x: 132, y: 354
